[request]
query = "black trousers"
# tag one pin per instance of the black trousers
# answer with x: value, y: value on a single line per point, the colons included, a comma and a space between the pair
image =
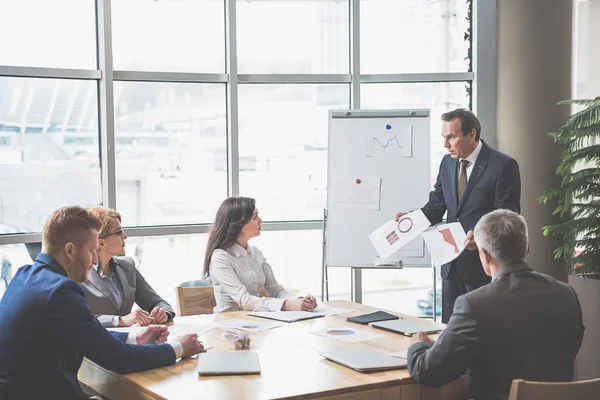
x: 452, y: 287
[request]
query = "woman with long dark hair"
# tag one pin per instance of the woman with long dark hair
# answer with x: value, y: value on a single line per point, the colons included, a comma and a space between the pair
x: 238, y: 271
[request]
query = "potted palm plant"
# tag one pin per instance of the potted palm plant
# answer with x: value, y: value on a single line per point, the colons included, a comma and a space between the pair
x: 578, y: 198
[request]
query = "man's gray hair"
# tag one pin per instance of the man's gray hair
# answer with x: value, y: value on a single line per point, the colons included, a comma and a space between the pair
x: 503, y: 234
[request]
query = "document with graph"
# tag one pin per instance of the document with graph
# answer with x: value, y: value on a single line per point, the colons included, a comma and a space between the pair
x: 389, y: 143
x: 356, y: 192
x: 393, y: 235
x: 445, y: 242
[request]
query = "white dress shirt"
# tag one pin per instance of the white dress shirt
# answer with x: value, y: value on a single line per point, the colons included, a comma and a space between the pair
x: 175, y: 344
x: 471, y: 159
x: 237, y: 274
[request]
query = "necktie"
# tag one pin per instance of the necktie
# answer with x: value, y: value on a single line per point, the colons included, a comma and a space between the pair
x: 462, y: 179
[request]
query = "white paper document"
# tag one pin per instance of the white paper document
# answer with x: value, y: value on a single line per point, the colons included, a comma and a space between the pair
x: 328, y: 310
x: 182, y: 329
x: 392, y: 236
x: 249, y: 325
x: 175, y: 330
x: 400, y: 354
x: 355, y: 192
x: 127, y: 329
x: 445, y: 242
x: 389, y: 144
x: 286, y: 316
x: 347, y: 334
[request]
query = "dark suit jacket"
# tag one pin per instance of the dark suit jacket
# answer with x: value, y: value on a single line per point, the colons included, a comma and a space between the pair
x: 494, y: 183
x: 522, y: 325
x: 135, y: 289
x: 47, y: 328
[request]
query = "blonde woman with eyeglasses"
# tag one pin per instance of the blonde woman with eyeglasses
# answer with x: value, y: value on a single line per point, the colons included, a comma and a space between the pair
x: 115, y: 283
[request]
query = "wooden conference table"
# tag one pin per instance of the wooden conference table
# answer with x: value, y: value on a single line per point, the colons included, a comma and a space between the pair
x: 290, y: 362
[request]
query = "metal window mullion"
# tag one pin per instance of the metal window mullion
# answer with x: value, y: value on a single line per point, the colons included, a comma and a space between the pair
x: 157, y: 76
x: 233, y: 153
x: 106, y: 104
x: 294, y: 78
x: 418, y: 77
x: 43, y: 72
x: 355, y: 54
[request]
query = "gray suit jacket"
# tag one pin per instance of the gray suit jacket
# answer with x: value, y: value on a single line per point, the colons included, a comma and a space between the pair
x: 135, y: 289
x: 521, y: 325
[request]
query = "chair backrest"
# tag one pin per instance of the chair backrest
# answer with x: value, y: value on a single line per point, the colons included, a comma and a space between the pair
x: 529, y: 390
x: 195, y: 300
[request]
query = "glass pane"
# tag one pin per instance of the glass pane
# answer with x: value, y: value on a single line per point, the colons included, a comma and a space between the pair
x: 408, y: 291
x: 293, y: 37
x: 17, y: 256
x: 42, y: 33
x: 178, y: 36
x: 48, y: 149
x: 413, y: 36
x: 283, y: 147
x: 295, y: 256
x: 587, y: 54
x: 167, y: 261
x: 170, y: 151
x: 438, y: 97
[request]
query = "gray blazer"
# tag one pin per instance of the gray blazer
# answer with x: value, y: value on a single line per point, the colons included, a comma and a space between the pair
x: 134, y: 287
x: 521, y: 325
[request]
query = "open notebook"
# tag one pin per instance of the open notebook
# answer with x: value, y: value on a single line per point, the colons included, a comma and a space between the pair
x: 286, y: 316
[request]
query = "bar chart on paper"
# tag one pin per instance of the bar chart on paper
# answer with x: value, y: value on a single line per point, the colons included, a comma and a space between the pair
x: 356, y: 193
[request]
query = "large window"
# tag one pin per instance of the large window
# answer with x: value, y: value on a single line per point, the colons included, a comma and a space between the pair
x: 293, y: 37
x: 283, y: 147
x: 161, y: 109
x: 413, y: 36
x: 41, y: 33
x: 171, y: 151
x: 48, y: 149
x: 186, y: 36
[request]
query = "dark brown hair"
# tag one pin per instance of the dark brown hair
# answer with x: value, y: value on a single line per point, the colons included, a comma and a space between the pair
x: 232, y: 215
x: 468, y: 121
x: 67, y: 224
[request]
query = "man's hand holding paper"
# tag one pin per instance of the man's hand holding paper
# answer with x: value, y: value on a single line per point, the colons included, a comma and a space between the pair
x: 393, y: 235
x: 445, y: 242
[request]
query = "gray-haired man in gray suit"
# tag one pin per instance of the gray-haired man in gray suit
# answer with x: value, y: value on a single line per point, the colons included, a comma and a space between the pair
x: 521, y: 325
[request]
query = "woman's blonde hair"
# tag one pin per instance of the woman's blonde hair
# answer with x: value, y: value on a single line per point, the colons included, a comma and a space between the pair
x: 105, y: 215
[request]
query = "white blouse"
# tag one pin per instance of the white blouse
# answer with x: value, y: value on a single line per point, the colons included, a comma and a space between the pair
x: 237, y: 274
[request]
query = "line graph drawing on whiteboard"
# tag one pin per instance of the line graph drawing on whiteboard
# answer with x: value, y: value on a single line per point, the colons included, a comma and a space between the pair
x: 389, y: 144
x: 356, y: 193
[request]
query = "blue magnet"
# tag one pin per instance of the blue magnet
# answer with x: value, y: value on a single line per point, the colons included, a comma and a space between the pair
x: 388, y: 127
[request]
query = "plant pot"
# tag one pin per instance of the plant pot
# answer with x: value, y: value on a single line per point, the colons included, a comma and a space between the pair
x: 588, y: 358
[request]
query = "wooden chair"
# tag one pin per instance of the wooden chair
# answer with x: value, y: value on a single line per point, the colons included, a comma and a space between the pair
x: 529, y: 390
x: 195, y: 297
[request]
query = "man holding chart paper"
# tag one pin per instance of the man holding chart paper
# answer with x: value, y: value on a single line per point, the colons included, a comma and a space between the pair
x: 473, y: 180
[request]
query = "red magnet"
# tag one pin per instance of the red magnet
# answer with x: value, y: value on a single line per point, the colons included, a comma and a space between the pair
x: 358, y: 180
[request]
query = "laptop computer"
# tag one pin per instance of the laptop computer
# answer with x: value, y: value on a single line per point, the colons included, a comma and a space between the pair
x: 365, y: 360
x: 404, y: 327
x: 232, y: 363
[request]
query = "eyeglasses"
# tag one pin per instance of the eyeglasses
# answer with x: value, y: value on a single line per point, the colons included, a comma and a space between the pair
x: 120, y: 232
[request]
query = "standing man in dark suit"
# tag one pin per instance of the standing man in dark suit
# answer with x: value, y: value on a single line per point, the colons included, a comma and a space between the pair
x: 473, y: 180
x: 47, y: 326
x: 522, y: 325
